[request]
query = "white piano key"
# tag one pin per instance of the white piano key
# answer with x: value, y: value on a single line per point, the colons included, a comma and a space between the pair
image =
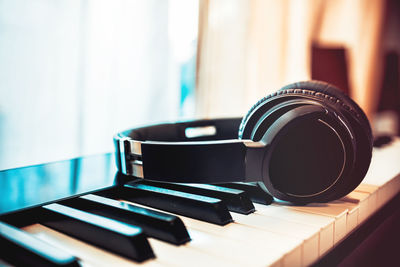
x: 167, y: 254
x: 361, y: 199
x: 265, y: 247
x: 291, y: 258
x: 325, y: 224
x: 393, y: 187
x: 309, y: 234
x: 384, y: 165
x: 372, y: 190
x: 339, y: 214
x: 387, y: 191
x: 351, y: 216
x: 243, y: 253
x: 384, y: 172
x: 274, y: 245
x: 387, y: 187
x: 326, y: 237
x: 366, y: 188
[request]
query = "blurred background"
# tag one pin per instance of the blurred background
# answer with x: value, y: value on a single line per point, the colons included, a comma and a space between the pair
x: 75, y: 72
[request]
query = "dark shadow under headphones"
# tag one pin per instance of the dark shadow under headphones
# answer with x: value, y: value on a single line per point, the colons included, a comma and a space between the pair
x: 307, y: 142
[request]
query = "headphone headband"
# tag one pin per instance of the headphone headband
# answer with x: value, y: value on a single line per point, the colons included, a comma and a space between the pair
x: 170, y: 149
x: 215, y: 129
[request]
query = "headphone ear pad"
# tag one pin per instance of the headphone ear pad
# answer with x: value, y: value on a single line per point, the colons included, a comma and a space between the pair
x: 329, y: 89
x: 250, y: 119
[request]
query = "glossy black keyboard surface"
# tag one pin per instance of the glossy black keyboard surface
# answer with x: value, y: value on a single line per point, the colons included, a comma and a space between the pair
x: 35, y: 185
x: 84, y: 198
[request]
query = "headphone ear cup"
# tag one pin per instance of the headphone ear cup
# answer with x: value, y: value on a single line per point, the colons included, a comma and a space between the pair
x: 343, y: 105
x: 359, y: 124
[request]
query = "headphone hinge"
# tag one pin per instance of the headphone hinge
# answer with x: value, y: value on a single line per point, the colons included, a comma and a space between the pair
x: 254, y: 161
x: 130, y: 157
x: 123, y: 155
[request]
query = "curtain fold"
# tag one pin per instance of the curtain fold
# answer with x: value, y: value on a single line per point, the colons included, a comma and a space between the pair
x: 248, y: 49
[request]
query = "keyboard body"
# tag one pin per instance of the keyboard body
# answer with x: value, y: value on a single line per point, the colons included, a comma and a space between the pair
x: 229, y: 224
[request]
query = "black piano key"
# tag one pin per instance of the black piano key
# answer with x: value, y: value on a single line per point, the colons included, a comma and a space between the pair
x: 118, y: 237
x: 20, y: 248
x: 156, y: 224
x: 236, y: 200
x: 199, y: 207
x: 253, y: 190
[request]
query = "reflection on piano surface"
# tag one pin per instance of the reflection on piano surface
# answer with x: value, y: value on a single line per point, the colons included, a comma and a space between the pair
x: 78, y: 212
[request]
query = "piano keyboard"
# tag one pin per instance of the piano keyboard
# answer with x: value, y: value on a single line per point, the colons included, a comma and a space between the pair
x: 156, y: 224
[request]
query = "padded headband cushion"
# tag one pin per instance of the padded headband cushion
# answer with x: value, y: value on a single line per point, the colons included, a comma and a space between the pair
x: 345, y: 105
x: 176, y: 132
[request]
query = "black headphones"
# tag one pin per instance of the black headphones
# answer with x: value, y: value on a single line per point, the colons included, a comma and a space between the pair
x: 307, y: 142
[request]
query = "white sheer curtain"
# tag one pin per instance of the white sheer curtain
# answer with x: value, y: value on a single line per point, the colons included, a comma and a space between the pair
x: 73, y: 73
x: 250, y: 48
